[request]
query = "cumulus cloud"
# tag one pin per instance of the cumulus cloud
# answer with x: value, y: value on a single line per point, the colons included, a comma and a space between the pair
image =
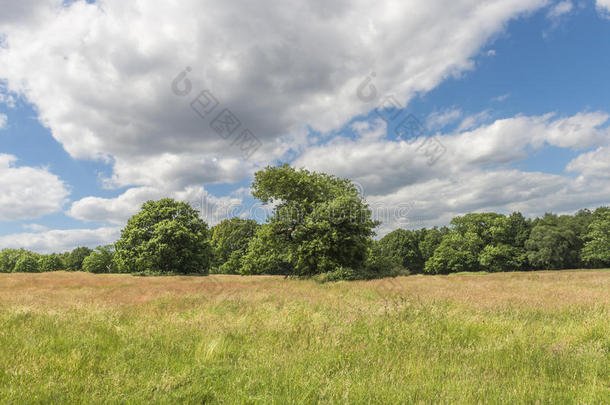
x: 474, y: 174
x: 28, y: 192
x: 603, y: 6
x: 440, y: 119
x: 501, y: 98
x: 176, y: 170
x: 117, y: 210
x: 60, y: 240
x: 560, y: 9
x: 100, y: 74
x: 110, y: 81
x: 592, y: 164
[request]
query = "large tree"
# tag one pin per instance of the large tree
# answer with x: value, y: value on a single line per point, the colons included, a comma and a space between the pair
x: 402, y: 247
x: 230, y: 239
x: 554, y: 242
x: 101, y: 260
x: 166, y: 236
x: 596, y: 251
x: 52, y: 262
x: 319, y: 223
x: 75, y: 259
x: 457, y: 252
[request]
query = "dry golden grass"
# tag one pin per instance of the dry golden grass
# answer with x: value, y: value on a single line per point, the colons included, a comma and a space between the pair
x: 530, y: 337
x: 540, y: 289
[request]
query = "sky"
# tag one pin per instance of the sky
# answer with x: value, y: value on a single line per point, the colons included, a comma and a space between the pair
x: 433, y: 109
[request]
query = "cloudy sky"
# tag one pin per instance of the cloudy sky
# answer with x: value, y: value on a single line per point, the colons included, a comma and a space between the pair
x: 434, y: 108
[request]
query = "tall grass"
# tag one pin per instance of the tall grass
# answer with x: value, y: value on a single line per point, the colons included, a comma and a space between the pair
x: 503, y: 338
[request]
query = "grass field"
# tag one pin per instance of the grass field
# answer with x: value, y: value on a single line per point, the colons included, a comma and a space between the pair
x: 536, y: 337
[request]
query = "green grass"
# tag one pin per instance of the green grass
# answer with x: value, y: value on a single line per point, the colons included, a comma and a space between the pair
x: 456, y: 339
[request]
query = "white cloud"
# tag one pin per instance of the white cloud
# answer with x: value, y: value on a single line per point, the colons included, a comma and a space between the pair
x: 100, y: 74
x: 440, y: 119
x: 501, y: 97
x: 560, y: 9
x: 3, y: 120
x: 592, y: 164
x: 475, y: 173
x: 28, y: 192
x: 176, y: 170
x: 60, y: 240
x: 474, y: 120
x: 118, y: 210
x: 34, y: 227
x: 603, y: 6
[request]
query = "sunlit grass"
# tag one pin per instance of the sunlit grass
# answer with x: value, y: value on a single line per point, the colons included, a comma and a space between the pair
x: 499, y: 338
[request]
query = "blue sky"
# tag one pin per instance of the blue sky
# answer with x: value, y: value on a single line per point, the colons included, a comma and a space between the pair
x: 83, y: 142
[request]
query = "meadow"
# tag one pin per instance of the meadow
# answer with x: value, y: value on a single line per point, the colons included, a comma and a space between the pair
x: 520, y: 337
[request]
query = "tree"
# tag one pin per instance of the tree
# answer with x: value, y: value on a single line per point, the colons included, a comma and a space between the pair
x: 27, y: 263
x: 596, y: 250
x: 430, y: 240
x: 502, y: 257
x: 490, y: 227
x: 76, y: 257
x: 166, y: 236
x: 456, y: 253
x: 101, y: 260
x: 268, y: 253
x: 230, y: 239
x: 402, y: 247
x: 9, y: 258
x: 52, y: 262
x: 554, y: 243
x: 319, y: 222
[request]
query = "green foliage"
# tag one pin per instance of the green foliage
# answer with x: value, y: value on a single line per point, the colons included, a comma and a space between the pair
x: 457, y: 252
x: 9, y: 258
x: 554, y: 243
x: 431, y: 239
x: 319, y: 223
x: 596, y: 250
x: 101, y: 260
x: 166, y: 236
x: 230, y: 239
x: 75, y: 259
x: 52, y: 262
x: 267, y: 253
x: 402, y: 247
x: 502, y: 257
x: 27, y: 263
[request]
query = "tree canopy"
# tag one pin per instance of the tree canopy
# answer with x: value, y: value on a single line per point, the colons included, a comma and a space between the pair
x: 319, y: 223
x: 166, y: 236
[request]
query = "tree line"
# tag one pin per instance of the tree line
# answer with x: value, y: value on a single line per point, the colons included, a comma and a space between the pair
x: 321, y: 227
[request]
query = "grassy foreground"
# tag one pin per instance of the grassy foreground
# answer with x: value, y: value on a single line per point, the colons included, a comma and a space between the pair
x: 536, y: 337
